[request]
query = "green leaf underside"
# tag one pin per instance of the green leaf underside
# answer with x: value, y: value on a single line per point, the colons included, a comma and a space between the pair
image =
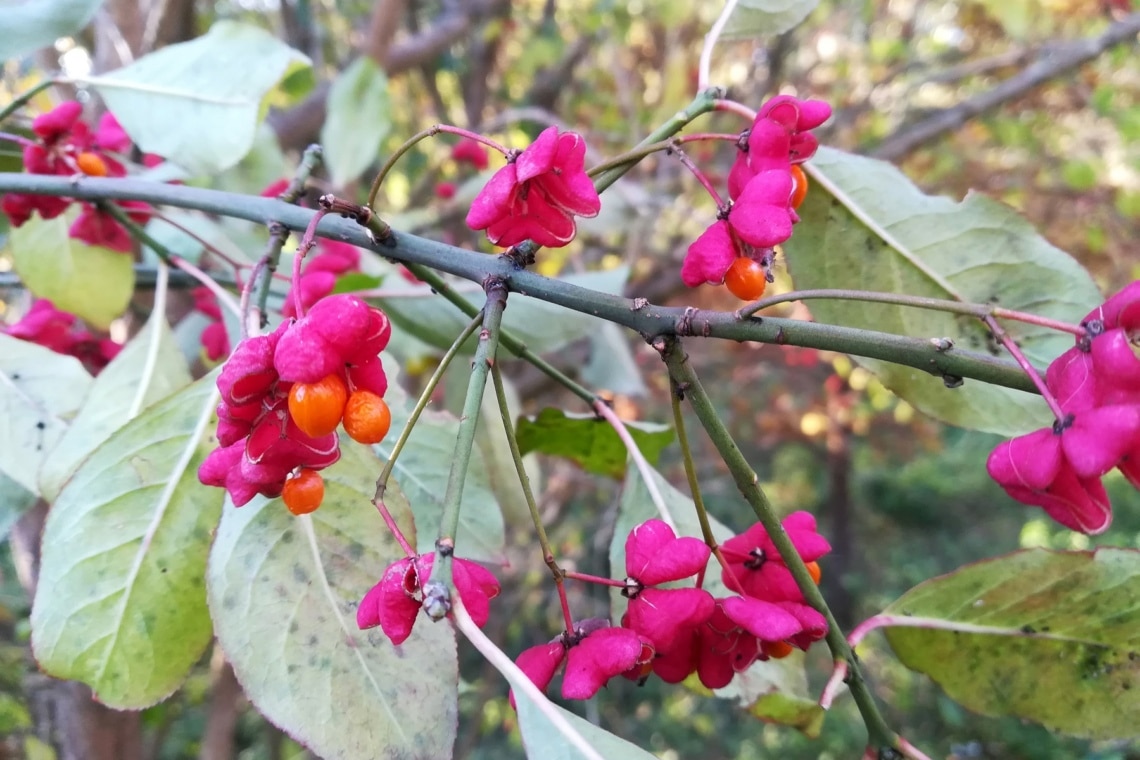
x: 32, y: 24
x: 283, y: 594
x: 543, y: 741
x: 122, y: 602
x: 1052, y: 637
x: 761, y: 18
x: 978, y: 249
x: 93, y: 283
x: 118, y: 390
x: 422, y: 472
x: 589, y: 441
x: 40, y: 391
x: 15, y: 500
x: 542, y: 326
x: 198, y: 103
x: 775, y: 691
x: 359, y: 118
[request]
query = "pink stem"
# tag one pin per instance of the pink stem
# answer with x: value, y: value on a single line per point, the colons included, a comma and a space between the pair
x: 306, y: 245
x: 705, y: 183
x: 224, y: 298
x: 1029, y: 369
x: 472, y: 136
x: 403, y: 542
x: 593, y: 579
x: 699, y: 136
x: 1034, y: 319
x: 732, y: 106
x: 251, y: 317
x: 831, y: 689
x: 567, y: 618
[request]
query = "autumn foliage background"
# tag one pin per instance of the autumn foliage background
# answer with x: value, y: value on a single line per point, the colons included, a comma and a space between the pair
x: 1024, y: 101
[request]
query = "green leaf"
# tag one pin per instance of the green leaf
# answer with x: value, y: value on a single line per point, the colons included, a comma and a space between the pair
x: 355, y: 281
x: 422, y: 472
x: 544, y: 741
x: 776, y: 690
x: 542, y: 326
x: 589, y: 441
x: 198, y: 103
x: 760, y: 18
x: 612, y: 366
x: 1047, y: 636
x: 32, y: 24
x: 121, y: 604
x: 359, y: 118
x: 150, y: 367
x: 93, y: 283
x: 903, y: 241
x: 39, y: 391
x: 283, y: 594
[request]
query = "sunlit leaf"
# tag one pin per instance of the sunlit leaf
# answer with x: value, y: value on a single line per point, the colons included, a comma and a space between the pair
x: 93, y: 283
x: 150, y: 367
x: 1047, y: 636
x: 32, y: 24
x: 198, y: 103
x: 612, y: 366
x: 359, y: 118
x: 903, y: 241
x: 590, y: 441
x: 121, y: 602
x: 283, y: 595
x: 40, y: 391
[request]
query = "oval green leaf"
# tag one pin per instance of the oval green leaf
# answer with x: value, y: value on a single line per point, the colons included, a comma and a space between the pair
x: 866, y: 227
x: 1053, y: 637
x: 40, y: 391
x: 283, y: 594
x: 544, y: 741
x: 359, y: 118
x: 198, y: 103
x: 93, y: 283
x: 760, y: 18
x: 121, y: 600
x: 150, y: 367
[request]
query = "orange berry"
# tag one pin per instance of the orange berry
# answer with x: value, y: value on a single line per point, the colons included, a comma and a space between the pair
x: 366, y: 417
x: 91, y: 164
x: 814, y: 571
x: 304, y: 491
x: 799, y: 192
x: 777, y: 650
x: 317, y: 407
x: 746, y: 278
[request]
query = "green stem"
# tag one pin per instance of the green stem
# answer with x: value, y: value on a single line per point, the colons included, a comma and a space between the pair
x: 702, y: 104
x: 137, y: 231
x: 437, y: 594
x: 687, y: 382
x: 979, y: 310
x: 421, y: 404
x: 509, y: 341
x: 279, y: 233
x: 647, y: 319
x: 690, y: 466
x: 22, y: 100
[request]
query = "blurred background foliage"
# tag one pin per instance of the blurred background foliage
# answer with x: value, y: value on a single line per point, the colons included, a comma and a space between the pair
x: 901, y: 498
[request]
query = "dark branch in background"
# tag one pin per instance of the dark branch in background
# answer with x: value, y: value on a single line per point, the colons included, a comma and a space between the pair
x: 300, y: 29
x: 481, y: 55
x: 645, y: 318
x: 1054, y: 60
x: 300, y: 125
x: 551, y: 82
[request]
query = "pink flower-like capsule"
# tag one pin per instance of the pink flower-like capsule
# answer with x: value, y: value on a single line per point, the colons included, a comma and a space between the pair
x: 537, y: 194
x: 593, y: 654
x: 757, y: 566
x: 779, y: 137
x: 95, y: 227
x: 471, y: 152
x: 395, y: 601
x: 61, y: 332
x: 339, y: 330
x: 654, y: 555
